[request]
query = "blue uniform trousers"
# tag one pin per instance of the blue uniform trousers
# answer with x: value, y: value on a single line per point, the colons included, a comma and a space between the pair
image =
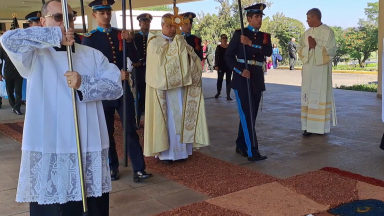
x: 244, y: 137
x: 135, y: 151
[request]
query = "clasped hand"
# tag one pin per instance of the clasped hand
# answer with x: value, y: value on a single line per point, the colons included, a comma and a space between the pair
x: 127, y: 35
x: 124, y: 75
x: 68, y: 38
x: 73, y: 79
x: 311, y: 42
x: 245, y: 40
x: 246, y: 74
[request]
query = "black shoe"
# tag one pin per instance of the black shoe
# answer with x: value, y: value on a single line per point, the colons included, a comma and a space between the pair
x: 229, y: 97
x: 257, y: 157
x: 306, y: 133
x: 17, y: 112
x: 141, y: 175
x: 244, y: 154
x: 166, y: 161
x: 115, y: 175
x: 217, y: 95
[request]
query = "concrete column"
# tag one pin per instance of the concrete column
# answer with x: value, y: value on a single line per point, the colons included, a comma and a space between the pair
x: 381, y: 36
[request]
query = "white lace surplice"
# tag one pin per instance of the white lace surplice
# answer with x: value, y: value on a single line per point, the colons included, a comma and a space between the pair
x: 49, y: 167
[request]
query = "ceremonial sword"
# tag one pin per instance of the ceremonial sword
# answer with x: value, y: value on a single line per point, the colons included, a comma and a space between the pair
x: 248, y: 80
x: 75, y: 114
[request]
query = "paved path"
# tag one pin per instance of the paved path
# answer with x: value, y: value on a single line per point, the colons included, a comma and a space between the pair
x: 352, y: 145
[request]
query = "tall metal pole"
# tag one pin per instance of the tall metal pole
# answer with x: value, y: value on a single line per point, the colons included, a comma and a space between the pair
x: 134, y: 87
x: 83, y: 16
x: 248, y: 80
x: 75, y: 115
x: 125, y: 86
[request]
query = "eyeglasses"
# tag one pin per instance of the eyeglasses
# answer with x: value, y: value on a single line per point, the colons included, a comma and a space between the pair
x: 58, y: 17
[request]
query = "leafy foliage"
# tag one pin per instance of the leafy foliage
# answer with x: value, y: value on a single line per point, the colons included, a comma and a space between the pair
x: 158, y: 8
x: 340, y: 44
x: 360, y: 42
x: 283, y: 29
x: 210, y: 27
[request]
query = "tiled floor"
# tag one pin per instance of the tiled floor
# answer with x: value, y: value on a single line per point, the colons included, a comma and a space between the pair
x: 351, y: 146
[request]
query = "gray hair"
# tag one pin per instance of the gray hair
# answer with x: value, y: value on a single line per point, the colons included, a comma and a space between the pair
x: 167, y: 15
x: 315, y: 12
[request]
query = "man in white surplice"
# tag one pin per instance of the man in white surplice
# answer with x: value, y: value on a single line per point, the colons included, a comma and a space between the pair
x: 49, y: 176
x: 316, y: 48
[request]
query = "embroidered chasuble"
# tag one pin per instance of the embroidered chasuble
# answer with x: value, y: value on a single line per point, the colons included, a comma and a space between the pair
x: 174, y: 103
x: 317, y: 101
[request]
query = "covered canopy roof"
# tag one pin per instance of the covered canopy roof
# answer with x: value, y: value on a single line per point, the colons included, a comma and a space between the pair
x: 23, y: 7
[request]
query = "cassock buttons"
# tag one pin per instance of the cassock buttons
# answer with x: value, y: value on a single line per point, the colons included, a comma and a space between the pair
x: 110, y: 38
x: 113, y: 47
x: 111, y: 42
x: 114, y: 62
x: 114, y: 57
x: 107, y: 33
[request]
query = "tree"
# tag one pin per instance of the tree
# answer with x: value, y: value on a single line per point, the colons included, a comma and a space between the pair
x: 360, y: 42
x: 372, y: 13
x: 283, y: 29
x: 158, y: 8
x: 224, y: 22
x: 340, y: 44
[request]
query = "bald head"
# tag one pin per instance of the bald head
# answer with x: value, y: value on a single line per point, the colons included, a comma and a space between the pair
x: 52, y: 14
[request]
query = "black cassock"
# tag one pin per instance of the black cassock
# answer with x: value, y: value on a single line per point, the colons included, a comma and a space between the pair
x: 97, y: 206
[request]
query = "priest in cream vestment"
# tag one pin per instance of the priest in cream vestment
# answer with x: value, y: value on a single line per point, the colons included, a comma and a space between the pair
x: 175, y: 121
x: 316, y: 49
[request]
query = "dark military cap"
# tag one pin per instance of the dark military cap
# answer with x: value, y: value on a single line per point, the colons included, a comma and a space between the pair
x: 145, y: 16
x: 256, y: 8
x: 101, y: 4
x: 34, y: 16
x: 189, y: 15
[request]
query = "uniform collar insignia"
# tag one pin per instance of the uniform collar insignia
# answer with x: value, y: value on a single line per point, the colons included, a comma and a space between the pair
x: 104, y: 30
x: 142, y: 33
x: 185, y: 34
x: 252, y: 29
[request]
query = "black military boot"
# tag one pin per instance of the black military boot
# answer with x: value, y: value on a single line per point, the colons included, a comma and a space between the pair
x: 244, y: 154
x: 115, y: 175
x: 217, y: 95
x: 141, y: 175
x: 229, y: 93
x: 257, y: 157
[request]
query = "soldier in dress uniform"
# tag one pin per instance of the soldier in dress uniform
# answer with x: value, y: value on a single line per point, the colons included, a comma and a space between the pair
x: 257, y: 45
x: 141, y: 39
x: 33, y: 18
x: 109, y: 41
x: 192, y: 40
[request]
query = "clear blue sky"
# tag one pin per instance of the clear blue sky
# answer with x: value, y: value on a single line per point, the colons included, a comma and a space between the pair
x: 344, y: 13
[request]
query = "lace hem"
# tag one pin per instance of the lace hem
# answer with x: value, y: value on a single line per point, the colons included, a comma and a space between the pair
x: 48, y: 178
x: 94, y: 89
